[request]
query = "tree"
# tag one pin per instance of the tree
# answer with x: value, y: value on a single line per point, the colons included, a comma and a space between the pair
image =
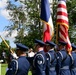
x: 3, y: 46
x: 26, y: 19
x: 71, y: 7
x: 31, y: 23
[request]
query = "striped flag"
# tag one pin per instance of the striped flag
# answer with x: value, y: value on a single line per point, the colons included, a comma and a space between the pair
x: 62, y: 21
x: 45, y: 16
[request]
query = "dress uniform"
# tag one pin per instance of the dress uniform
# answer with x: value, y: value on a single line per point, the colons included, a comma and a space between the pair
x: 73, y: 66
x: 63, y: 60
x: 39, y: 63
x: 21, y: 65
x: 51, y: 59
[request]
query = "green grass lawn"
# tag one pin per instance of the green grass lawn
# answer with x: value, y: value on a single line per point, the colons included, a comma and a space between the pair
x: 3, y: 69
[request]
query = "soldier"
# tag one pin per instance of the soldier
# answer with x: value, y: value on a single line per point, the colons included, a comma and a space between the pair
x: 63, y: 60
x: 21, y: 65
x: 51, y: 58
x: 39, y: 63
x: 73, y: 66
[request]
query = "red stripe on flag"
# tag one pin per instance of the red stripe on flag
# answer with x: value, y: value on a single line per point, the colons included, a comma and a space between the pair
x: 62, y: 21
x: 62, y: 13
x: 46, y: 34
x: 62, y: 32
x: 61, y: 6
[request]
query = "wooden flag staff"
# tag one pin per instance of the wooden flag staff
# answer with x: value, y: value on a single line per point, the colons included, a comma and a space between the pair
x: 7, y: 45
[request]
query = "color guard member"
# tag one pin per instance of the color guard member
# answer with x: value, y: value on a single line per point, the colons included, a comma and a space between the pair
x: 63, y: 60
x: 51, y: 59
x: 21, y: 65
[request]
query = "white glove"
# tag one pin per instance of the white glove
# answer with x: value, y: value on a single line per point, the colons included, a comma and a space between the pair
x: 14, y: 55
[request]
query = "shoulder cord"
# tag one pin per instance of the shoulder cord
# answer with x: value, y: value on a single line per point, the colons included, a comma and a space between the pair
x: 61, y: 55
x: 51, y: 61
x: 63, y: 59
x: 16, y: 66
x: 72, y: 59
x: 49, y: 56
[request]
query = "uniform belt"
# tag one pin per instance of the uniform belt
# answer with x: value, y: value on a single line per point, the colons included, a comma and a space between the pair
x: 10, y: 69
x: 65, y: 67
x: 43, y: 71
x: 52, y: 68
x: 74, y: 68
x: 34, y: 71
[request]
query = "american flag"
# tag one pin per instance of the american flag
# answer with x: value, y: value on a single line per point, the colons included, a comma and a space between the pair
x: 45, y: 16
x: 62, y: 21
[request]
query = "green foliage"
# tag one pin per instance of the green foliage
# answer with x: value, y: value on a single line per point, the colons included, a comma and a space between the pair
x: 71, y: 7
x: 4, y: 47
x: 26, y: 20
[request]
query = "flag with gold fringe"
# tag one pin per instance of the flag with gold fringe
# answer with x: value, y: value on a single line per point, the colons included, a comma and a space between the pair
x: 62, y: 21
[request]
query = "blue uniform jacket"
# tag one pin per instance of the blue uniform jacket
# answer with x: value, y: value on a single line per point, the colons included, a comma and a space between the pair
x: 19, y: 67
x: 63, y: 63
x: 73, y: 66
x: 51, y: 62
x: 39, y: 63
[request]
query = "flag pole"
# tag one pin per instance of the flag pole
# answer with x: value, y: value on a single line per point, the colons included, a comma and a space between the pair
x: 57, y: 34
x: 6, y: 44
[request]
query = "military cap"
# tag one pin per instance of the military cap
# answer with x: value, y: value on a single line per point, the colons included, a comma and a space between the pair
x: 21, y: 47
x: 50, y: 43
x: 41, y: 43
x: 73, y: 47
x: 62, y: 43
